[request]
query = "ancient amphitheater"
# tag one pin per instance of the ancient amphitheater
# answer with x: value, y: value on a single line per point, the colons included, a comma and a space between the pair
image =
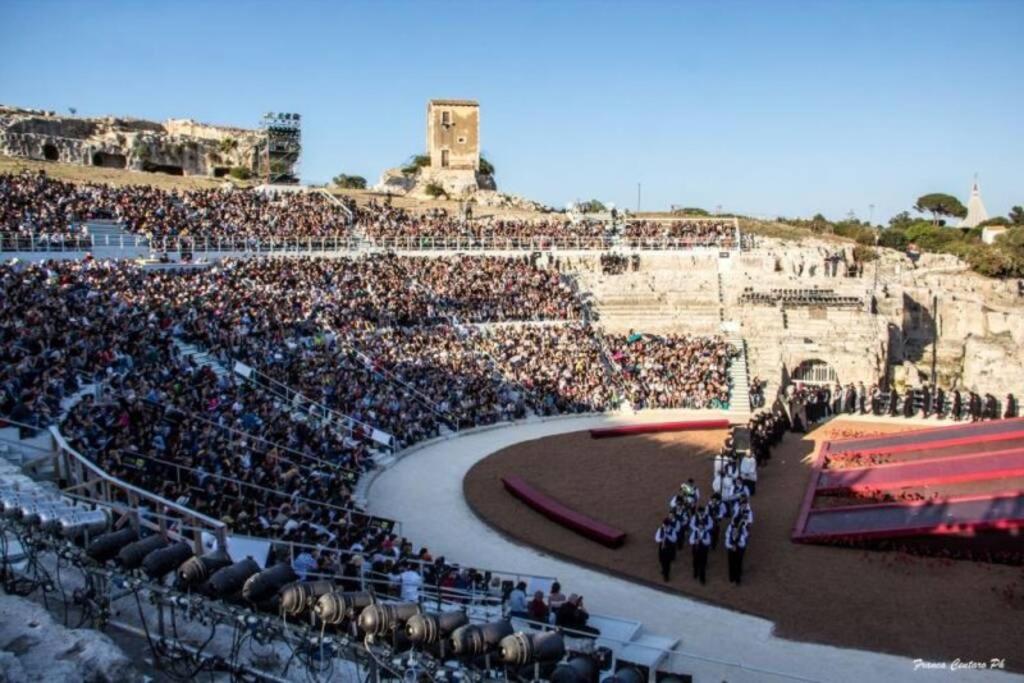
x: 347, y: 381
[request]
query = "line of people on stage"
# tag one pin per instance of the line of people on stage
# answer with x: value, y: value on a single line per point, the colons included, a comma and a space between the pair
x: 809, y: 404
x: 734, y: 482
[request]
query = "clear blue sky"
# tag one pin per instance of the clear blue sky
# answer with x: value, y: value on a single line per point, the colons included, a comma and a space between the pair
x: 766, y: 108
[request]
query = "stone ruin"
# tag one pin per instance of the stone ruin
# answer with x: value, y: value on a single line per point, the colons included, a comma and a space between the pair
x: 913, y: 316
x: 176, y: 146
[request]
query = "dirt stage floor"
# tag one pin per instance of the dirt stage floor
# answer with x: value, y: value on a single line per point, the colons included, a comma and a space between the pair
x: 919, y: 607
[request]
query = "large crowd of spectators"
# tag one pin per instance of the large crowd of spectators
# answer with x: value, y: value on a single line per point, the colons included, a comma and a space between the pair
x: 32, y: 203
x: 407, y: 346
x: 680, y: 233
x: 390, y: 225
x: 675, y: 371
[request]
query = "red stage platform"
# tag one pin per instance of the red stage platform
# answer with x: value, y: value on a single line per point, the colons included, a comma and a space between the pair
x: 994, y: 508
x: 627, y: 430
x: 994, y: 465
x: 936, y: 437
x: 567, y: 517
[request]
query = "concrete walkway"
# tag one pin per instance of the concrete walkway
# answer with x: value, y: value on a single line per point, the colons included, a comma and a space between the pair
x: 424, y: 491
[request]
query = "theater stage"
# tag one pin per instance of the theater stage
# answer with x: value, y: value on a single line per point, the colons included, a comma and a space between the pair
x: 918, y: 607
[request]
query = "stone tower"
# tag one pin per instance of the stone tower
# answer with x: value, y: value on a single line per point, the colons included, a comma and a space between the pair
x: 453, y: 135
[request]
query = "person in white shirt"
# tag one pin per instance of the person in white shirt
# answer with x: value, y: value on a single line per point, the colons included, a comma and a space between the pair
x: 748, y: 472
x: 665, y: 538
x: 411, y: 581
x: 741, y: 508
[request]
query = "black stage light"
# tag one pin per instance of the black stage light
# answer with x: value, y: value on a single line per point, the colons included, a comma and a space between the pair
x: 628, y: 674
x: 429, y: 628
x: 132, y: 555
x: 520, y: 649
x: 164, y: 560
x: 334, y: 608
x: 380, y: 619
x: 472, y: 640
x: 300, y: 597
x: 227, y: 581
x: 267, y: 583
x: 109, y: 544
x: 579, y: 669
x: 196, y: 570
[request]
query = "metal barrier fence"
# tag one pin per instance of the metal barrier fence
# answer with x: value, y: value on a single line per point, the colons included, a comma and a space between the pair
x: 91, y: 484
x: 347, y: 243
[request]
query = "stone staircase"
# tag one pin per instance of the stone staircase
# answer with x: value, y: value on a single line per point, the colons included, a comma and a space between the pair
x: 739, y: 376
x: 201, y: 358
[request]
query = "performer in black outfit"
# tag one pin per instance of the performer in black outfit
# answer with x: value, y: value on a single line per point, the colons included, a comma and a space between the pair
x: 700, y: 539
x: 955, y: 409
x: 908, y: 403
x: 974, y: 407
x: 736, y: 536
x: 665, y: 537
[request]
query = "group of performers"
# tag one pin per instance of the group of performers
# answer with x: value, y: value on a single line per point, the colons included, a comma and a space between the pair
x: 700, y: 525
x: 733, y: 483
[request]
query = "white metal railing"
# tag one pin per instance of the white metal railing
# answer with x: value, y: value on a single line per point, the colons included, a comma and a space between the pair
x: 89, y: 482
x: 349, y: 243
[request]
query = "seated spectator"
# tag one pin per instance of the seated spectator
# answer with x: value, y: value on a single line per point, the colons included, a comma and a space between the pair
x: 537, y: 608
x: 571, y: 615
x: 517, y: 606
x: 556, y: 598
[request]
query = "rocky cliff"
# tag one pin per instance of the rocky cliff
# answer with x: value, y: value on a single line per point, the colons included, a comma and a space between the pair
x: 176, y: 146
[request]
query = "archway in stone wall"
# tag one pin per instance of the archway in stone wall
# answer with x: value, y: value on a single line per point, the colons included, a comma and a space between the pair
x: 109, y: 160
x: 814, y: 371
x: 163, y: 168
x: 50, y: 152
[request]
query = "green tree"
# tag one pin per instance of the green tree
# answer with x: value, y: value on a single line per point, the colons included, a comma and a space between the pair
x: 486, y: 167
x: 240, y: 173
x: 593, y: 206
x: 228, y: 145
x: 434, y: 191
x: 1011, y: 245
x: 901, y: 221
x: 863, y: 253
x: 938, y: 204
x: 820, y: 224
x: 995, y: 220
x: 349, y: 182
x: 1017, y: 215
x: 893, y: 238
x: 415, y: 163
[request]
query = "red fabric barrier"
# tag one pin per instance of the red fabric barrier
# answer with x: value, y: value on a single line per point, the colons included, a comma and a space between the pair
x: 626, y: 430
x: 567, y: 517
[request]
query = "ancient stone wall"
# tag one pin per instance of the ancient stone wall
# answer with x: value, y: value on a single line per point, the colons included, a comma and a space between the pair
x: 178, y: 146
x: 914, y: 315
